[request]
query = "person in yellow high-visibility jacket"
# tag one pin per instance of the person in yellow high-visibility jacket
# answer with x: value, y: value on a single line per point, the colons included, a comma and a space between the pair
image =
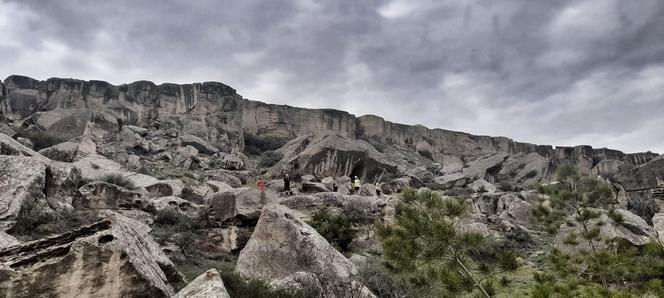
x: 357, y: 184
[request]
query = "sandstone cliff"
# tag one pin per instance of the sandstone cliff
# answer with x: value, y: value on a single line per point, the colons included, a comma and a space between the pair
x: 215, y: 112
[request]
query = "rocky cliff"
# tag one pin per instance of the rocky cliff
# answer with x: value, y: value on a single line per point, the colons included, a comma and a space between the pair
x: 216, y: 113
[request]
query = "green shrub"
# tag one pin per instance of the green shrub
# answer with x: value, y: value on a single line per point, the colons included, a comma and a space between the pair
x: 40, y: 139
x: 119, y: 180
x: 336, y: 229
x: 269, y: 158
x: 643, y: 207
x: 256, y: 145
x: 426, y: 153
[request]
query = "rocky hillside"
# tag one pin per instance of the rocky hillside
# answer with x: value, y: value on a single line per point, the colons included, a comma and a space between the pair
x: 137, y: 189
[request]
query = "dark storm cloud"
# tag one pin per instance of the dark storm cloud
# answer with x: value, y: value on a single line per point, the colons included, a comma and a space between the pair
x: 550, y: 72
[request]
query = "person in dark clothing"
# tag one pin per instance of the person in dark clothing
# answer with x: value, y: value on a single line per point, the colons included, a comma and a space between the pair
x: 287, y: 187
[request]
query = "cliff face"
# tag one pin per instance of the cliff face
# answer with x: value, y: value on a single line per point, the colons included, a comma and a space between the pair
x: 217, y: 113
x: 210, y: 110
x: 289, y: 122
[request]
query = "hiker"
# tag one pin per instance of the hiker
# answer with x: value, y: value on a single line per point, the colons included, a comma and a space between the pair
x: 378, y: 189
x: 357, y: 184
x: 334, y: 186
x: 260, y: 184
x: 287, y: 187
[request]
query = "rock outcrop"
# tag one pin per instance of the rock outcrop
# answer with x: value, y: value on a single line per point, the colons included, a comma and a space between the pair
x: 332, y: 155
x: 111, y: 258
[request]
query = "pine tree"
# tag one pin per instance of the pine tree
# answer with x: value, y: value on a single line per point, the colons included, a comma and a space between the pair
x: 425, y: 245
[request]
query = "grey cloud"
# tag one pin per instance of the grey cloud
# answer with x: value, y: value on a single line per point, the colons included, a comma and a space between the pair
x: 554, y: 72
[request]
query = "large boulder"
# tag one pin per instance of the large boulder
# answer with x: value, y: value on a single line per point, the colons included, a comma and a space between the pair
x: 284, y: 245
x: 646, y: 176
x: 111, y: 258
x: 241, y: 206
x: 478, y: 168
x: 104, y: 195
x: 633, y: 229
x: 206, y: 285
x: 185, y: 156
x: 22, y: 181
x: 332, y: 155
x: 181, y: 206
x: 7, y: 240
x: 522, y: 170
x: 9, y: 146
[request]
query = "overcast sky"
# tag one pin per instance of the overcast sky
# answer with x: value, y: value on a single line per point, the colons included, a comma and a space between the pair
x: 546, y: 72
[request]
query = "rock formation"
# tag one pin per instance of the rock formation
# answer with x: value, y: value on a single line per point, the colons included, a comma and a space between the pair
x: 127, y: 263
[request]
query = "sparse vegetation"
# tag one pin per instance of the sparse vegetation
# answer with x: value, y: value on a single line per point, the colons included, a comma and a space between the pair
x: 337, y: 229
x: 119, y: 180
x: 269, y: 158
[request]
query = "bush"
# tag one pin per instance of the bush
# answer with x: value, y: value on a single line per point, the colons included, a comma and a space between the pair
x: 40, y: 139
x: 256, y: 145
x: 643, y: 207
x: 168, y: 222
x: 119, y: 180
x: 336, y: 229
x: 269, y: 158
x: 426, y: 154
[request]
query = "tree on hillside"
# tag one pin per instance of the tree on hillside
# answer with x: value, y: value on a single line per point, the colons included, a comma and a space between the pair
x: 425, y: 245
x: 595, y: 266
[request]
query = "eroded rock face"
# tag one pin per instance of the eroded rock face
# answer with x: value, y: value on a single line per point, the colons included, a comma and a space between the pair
x: 22, y: 181
x: 283, y: 245
x: 212, y: 111
x: 111, y: 258
x: 332, y: 155
x: 647, y: 176
x: 206, y: 285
